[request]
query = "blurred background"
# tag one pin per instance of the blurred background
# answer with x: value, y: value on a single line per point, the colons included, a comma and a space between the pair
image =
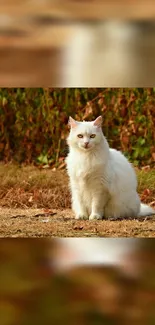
x: 34, y: 122
x: 50, y: 281
x: 73, y: 43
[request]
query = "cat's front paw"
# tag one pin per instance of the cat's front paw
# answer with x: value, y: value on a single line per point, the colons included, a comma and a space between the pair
x: 81, y: 217
x: 95, y: 216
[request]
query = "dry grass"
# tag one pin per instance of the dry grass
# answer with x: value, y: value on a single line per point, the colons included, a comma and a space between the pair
x: 146, y: 186
x: 30, y: 187
x: 36, y: 203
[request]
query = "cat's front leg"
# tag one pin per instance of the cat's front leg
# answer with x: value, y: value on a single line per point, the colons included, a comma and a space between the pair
x: 80, y: 211
x: 98, y: 204
x: 78, y: 206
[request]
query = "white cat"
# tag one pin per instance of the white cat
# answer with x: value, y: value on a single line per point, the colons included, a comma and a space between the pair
x: 103, y: 182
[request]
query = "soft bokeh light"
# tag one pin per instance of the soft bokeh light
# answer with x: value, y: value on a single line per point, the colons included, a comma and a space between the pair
x: 89, y: 251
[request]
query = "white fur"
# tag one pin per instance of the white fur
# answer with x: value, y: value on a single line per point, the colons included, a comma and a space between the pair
x: 103, y: 183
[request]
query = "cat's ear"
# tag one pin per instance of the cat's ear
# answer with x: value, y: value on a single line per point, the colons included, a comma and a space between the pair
x: 72, y: 123
x: 98, y: 121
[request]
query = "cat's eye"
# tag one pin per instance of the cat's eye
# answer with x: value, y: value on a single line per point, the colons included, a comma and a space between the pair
x: 92, y: 135
x: 80, y: 136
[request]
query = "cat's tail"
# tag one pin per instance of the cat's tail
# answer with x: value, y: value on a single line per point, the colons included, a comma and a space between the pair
x: 146, y: 210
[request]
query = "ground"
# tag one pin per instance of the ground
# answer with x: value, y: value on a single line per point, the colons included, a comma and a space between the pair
x: 61, y: 223
x: 36, y: 203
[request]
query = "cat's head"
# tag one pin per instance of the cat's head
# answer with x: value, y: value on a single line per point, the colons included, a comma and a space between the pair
x: 85, y: 135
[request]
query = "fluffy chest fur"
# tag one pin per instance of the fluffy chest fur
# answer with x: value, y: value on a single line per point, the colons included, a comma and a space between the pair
x: 87, y: 169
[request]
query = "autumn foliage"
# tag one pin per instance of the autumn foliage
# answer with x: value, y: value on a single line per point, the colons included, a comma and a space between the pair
x: 33, y: 121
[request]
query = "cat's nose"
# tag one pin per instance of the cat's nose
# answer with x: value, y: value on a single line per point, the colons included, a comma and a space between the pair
x: 86, y: 144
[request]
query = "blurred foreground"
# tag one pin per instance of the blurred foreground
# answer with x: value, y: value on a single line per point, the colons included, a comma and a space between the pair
x: 86, y: 281
x: 111, y: 53
x: 77, y: 43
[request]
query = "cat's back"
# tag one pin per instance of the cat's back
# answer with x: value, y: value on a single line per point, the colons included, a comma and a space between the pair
x: 119, y: 159
x: 122, y: 166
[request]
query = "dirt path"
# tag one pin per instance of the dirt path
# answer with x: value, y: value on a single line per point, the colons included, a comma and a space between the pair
x: 61, y: 223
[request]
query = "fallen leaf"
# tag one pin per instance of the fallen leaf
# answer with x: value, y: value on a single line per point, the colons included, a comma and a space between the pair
x: 48, y: 211
x: 62, y: 165
x: 153, y: 156
x: 146, y: 192
x: 44, y: 214
x: 46, y: 166
x: 78, y: 227
x: 146, y: 167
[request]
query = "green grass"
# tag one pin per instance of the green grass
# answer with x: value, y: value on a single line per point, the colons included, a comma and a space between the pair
x: 146, y: 180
